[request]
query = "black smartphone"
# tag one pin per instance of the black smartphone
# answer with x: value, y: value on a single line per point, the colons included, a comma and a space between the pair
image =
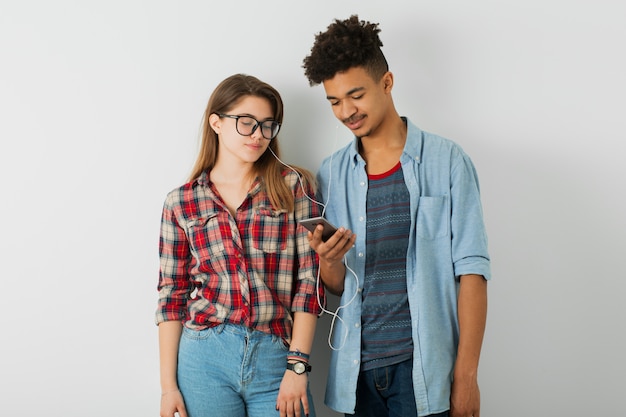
x: 311, y: 223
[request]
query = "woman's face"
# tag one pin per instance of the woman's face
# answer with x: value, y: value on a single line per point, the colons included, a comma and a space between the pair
x: 238, y: 147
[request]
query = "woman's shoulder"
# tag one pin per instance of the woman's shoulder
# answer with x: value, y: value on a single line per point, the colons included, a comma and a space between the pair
x: 182, y: 193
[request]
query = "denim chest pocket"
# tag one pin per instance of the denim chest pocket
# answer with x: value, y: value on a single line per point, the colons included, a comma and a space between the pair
x: 269, y: 230
x: 432, y: 217
x: 205, y: 238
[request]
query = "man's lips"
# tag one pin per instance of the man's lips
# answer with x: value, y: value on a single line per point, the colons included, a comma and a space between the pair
x: 354, y: 122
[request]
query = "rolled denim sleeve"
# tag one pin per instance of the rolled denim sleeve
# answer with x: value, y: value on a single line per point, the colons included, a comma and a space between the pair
x: 469, y: 237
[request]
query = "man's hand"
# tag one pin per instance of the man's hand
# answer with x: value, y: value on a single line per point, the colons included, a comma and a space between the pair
x: 331, y: 253
x: 465, y: 398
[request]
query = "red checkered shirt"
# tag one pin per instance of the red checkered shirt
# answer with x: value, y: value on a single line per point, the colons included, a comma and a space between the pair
x: 253, y: 270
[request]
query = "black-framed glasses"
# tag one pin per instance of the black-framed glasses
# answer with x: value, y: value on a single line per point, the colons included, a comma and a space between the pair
x: 247, y: 125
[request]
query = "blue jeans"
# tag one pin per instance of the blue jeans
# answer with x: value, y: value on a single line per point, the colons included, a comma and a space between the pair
x: 231, y: 371
x: 387, y: 392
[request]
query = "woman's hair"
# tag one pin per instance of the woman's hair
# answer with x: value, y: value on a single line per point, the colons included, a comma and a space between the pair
x: 226, y: 96
x: 345, y: 44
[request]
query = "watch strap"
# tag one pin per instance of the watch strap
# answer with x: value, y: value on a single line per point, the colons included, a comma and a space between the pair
x: 291, y: 367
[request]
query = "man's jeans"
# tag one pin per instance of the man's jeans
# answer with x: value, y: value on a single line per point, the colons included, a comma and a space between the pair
x: 387, y: 392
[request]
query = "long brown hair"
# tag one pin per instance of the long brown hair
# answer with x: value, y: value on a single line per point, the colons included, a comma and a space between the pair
x: 226, y: 96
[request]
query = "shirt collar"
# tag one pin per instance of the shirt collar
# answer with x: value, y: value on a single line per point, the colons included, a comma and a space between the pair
x: 414, y: 141
x: 203, y: 179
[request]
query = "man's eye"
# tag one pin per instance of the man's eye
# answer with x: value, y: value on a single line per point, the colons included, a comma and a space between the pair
x: 357, y: 97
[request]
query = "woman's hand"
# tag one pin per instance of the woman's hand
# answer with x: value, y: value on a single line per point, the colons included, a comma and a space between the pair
x: 171, y: 403
x: 292, y: 395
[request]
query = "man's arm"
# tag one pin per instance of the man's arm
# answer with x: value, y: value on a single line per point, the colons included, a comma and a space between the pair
x: 472, y: 314
x: 331, y: 253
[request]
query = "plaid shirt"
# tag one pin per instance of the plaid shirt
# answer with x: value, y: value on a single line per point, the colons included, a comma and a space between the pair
x: 253, y: 270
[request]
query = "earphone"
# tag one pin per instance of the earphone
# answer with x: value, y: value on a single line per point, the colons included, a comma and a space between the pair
x: 334, y: 314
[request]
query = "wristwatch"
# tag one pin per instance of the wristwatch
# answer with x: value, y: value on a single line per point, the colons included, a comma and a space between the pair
x: 299, y: 367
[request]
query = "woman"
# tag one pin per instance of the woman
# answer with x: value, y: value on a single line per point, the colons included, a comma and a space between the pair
x: 238, y: 300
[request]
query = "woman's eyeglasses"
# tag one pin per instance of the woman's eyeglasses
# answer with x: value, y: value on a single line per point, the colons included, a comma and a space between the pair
x: 247, y: 125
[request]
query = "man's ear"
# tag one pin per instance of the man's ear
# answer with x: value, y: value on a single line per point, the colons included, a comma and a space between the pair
x: 216, y: 123
x: 388, y: 81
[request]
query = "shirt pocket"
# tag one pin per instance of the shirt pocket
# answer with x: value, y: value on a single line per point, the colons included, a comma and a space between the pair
x: 270, y: 230
x: 432, y: 217
x: 205, y: 238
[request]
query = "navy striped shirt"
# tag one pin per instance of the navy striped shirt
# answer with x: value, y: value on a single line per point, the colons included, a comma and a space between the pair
x: 386, y: 319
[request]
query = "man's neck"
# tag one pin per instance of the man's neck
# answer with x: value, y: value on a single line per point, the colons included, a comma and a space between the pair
x: 382, y: 151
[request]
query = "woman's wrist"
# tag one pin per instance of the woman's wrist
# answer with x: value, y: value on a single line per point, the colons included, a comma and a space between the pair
x: 297, y: 355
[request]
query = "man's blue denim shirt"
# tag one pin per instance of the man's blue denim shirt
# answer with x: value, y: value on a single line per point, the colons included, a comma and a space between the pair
x: 447, y: 239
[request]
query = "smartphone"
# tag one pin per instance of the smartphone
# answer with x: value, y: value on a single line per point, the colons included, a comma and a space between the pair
x: 311, y: 223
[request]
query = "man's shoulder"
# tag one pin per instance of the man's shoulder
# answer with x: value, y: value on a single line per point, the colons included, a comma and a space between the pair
x: 341, y: 155
x: 416, y: 134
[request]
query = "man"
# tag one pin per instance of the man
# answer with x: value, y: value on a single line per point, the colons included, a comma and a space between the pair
x: 412, y: 245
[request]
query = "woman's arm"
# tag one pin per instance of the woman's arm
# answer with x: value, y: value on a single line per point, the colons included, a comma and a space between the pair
x: 293, y: 389
x: 171, y: 398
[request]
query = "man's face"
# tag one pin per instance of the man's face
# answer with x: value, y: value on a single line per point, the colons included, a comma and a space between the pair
x: 357, y: 100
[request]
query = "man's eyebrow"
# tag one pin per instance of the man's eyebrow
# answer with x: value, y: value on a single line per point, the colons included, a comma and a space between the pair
x: 354, y: 90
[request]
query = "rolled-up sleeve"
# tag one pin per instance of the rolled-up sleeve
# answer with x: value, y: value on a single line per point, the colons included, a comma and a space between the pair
x: 469, y: 237
x: 308, y: 293
x: 174, y: 256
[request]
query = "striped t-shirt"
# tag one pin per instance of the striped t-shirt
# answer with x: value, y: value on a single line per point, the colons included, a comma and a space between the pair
x: 386, y: 319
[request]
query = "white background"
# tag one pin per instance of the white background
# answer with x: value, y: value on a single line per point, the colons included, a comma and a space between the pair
x: 100, y: 109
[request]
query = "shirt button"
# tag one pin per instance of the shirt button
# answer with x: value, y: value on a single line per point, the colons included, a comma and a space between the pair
x: 361, y: 218
x: 362, y: 184
x: 360, y: 254
x: 356, y: 362
x: 357, y: 325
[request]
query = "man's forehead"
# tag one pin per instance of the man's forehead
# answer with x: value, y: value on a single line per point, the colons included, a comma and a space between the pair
x: 347, y: 82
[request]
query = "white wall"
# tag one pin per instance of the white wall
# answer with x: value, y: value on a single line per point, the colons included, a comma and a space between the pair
x: 100, y: 105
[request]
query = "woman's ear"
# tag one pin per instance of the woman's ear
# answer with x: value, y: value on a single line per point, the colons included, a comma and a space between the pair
x: 215, y: 122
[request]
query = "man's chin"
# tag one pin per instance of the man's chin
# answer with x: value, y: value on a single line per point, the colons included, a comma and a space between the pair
x: 361, y: 133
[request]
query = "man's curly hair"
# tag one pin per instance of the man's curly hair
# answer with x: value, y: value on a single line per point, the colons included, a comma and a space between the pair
x: 345, y: 44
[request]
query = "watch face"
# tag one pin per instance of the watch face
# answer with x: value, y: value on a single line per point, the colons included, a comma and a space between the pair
x: 299, y: 368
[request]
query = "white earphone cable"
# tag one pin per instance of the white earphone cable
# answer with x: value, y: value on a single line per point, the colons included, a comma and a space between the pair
x: 334, y: 314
